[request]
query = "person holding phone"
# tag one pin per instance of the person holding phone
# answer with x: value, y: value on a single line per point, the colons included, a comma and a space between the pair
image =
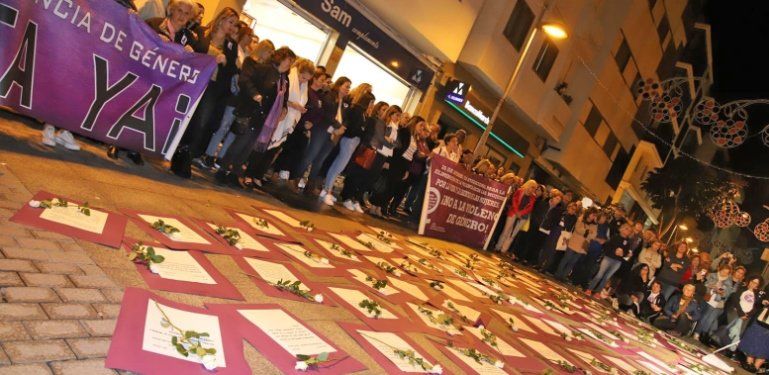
x: 719, y: 286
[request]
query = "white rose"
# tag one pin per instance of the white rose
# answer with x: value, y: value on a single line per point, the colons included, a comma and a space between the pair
x: 499, y: 364
x: 568, y: 338
x: 318, y: 298
x: 437, y: 287
x: 514, y: 328
x: 209, y: 362
x: 437, y: 369
x: 513, y: 300
x: 548, y: 308
x: 480, y: 326
x: 324, y: 260
x: 34, y: 204
x: 173, y: 235
x: 154, y: 268
x: 301, y: 366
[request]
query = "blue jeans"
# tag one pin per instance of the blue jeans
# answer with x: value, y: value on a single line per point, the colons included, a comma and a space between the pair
x: 567, y: 264
x: 605, y: 271
x: 319, y: 146
x: 347, y: 147
x: 224, y: 128
x: 708, y: 321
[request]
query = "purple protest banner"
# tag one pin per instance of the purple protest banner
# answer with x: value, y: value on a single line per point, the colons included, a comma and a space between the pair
x: 91, y: 67
x: 460, y: 206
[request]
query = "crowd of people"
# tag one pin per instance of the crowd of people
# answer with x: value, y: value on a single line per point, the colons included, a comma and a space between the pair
x: 612, y: 258
x: 267, y: 109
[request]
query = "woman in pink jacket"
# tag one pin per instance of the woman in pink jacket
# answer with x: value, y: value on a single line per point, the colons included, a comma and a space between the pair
x: 520, y: 208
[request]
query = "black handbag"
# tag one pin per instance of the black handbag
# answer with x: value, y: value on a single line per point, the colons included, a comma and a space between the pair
x: 240, y: 125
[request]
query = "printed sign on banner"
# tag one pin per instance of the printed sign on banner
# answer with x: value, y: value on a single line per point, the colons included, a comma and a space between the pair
x: 460, y: 206
x: 91, y: 67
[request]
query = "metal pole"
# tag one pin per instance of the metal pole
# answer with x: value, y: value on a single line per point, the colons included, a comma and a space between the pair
x: 513, y: 78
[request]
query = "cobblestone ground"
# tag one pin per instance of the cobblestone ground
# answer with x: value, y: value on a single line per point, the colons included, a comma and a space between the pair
x: 61, y: 296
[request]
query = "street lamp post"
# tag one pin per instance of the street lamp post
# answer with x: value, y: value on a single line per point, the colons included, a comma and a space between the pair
x: 553, y: 30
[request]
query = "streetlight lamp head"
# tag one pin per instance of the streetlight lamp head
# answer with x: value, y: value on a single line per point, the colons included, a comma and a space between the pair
x: 689, y: 240
x: 683, y: 227
x: 555, y: 30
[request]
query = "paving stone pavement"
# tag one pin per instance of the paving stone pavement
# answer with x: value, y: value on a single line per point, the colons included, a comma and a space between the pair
x: 61, y: 296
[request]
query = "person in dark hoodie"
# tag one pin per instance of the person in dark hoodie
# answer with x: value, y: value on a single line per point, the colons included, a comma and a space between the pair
x: 614, y: 251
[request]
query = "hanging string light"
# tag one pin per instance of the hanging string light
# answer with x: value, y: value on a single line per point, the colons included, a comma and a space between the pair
x: 616, y: 102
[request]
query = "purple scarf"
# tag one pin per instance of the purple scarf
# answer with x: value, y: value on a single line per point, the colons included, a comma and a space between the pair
x: 272, y: 119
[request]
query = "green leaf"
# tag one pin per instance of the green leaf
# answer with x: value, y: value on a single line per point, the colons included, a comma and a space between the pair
x: 302, y: 357
x: 150, y: 251
x: 174, y: 341
x: 158, y: 259
x: 131, y: 256
x: 204, y: 334
x: 181, y: 350
x: 211, y: 351
x: 322, y: 357
x: 200, y: 351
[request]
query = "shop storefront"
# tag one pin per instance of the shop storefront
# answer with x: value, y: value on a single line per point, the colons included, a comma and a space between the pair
x: 334, y: 34
x: 462, y: 108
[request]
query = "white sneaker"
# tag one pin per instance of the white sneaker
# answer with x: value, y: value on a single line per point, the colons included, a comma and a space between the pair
x: 67, y: 140
x: 358, y: 208
x: 301, y: 184
x: 284, y: 175
x: 49, y: 135
x: 328, y: 199
x: 322, y: 194
x: 333, y: 197
x: 349, y: 205
x: 696, y: 336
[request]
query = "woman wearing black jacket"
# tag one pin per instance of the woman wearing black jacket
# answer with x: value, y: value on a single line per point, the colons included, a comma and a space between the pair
x: 552, y: 251
x: 354, y: 123
x: 321, y: 142
x: 634, y: 284
x: 260, y: 86
x: 215, y: 42
x: 405, y: 152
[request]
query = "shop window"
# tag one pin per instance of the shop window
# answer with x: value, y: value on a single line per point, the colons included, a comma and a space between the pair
x: 593, y: 121
x: 623, y: 55
x: 545, y: 59
x: 284, y: 27
x: 519, y: 24
x: 359, y: 67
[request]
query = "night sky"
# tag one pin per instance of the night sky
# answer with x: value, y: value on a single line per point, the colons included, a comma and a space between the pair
x: 741, y: 71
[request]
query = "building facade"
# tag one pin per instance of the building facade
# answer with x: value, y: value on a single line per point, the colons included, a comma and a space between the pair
x: 573, y: 118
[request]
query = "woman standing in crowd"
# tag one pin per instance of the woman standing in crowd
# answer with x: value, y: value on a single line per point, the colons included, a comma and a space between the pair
x: 555, y: 244
x: 584, y: 232
x: 215, y: 42
x: 522, y: 241
x: 673, y: 270
x: 372, y: 155
x: 521, y: 205
x: 296, y: 144
x: 719, y: 287
x: 695, y: 263
x: 354, y: 129
x: 633, y: 288
x: 208, y: 160
x: 651, y: 257
x: 552, y: 212
x: 449, y: 148
x: 680, y: 312
x: 739, y: 308
x: 261, y: 101
x: 755, y: 341
x: 261, y: 159
x: 614, y: 251
x: 410, y: 145
x: 419, y: 159
x: 328, y: 127
x: 588, y: 264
